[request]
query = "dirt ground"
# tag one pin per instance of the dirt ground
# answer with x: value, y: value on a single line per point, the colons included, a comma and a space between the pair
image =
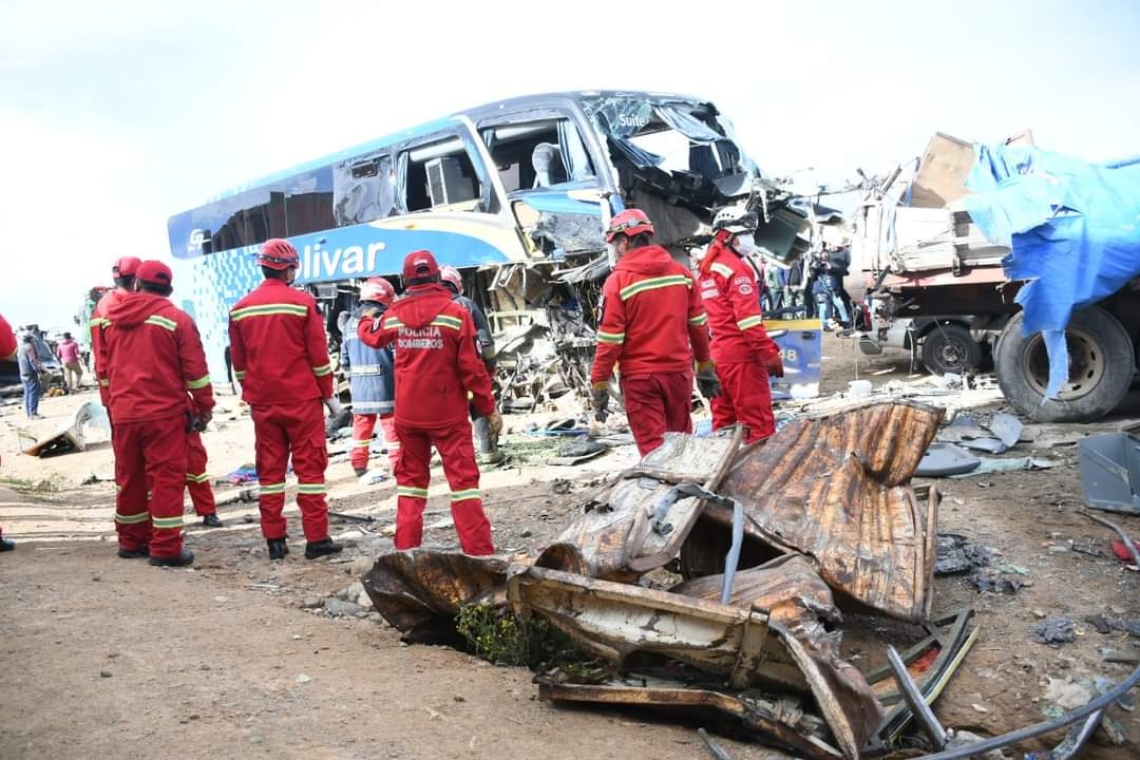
x: 99, y: 654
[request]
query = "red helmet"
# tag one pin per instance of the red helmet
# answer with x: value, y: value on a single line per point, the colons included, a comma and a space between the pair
x: 448, y: 273
x: 377, y: 289
x: 154, y: 273
x: 126, y: 266
x: 420, y: 266
x: 278, y: 254
x: 631, y: 222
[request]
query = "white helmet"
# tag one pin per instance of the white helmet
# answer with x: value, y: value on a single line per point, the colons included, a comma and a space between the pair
x: 735, y: 219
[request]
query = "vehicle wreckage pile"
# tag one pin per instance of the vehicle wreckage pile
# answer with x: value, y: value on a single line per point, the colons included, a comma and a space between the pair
x: 772, y: 543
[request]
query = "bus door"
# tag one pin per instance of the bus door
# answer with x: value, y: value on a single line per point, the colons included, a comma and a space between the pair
x: 551, y: 180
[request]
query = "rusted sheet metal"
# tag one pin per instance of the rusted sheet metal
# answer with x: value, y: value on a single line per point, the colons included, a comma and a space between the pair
x: 618, y: 622
x: 419, y: 592
x: 833, y: 489
x: 779, y: 720
x: 797, y: 602
x: 626, y: 535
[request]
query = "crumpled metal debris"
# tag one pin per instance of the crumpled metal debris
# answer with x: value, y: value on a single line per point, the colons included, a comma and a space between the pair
x: 69, y: 436
x: 825, y: 517
x: 1054, y: 631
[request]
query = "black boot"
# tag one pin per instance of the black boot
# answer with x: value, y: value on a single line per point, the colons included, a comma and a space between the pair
x: 182, y: 560
x: 139, y: 553
x: 277, y: 548
x: 211, y: 521
x: 6, y: 545
x: 322, y: 548
x: 360, y: 471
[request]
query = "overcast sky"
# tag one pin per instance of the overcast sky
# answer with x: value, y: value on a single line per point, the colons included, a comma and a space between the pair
x: 115, y: 115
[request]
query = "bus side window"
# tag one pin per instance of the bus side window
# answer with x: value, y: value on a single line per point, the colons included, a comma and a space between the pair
x: 364, y: 189
x: 441, y: 175
x: 538, y: 154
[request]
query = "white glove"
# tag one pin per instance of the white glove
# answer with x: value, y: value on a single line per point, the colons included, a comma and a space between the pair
x: 334, y: 407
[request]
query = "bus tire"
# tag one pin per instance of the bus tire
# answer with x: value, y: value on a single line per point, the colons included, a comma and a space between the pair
x: 1101, y: 366
x: 949, y: 349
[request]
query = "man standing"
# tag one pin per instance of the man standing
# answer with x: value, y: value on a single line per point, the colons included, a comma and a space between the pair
x: 152, y: 356
x: 280, y: 357
x: 197, y: 479
x: 652, y: 324
x: 371, y: 378
x: 7, y: 351
x: 436, y: 368
x: 485, y: 346
x: 30, y: 367
x: 745, y: 356
x: 68, y: 353
x: 123, y: 273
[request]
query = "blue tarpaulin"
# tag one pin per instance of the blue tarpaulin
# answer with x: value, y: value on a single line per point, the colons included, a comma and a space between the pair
x: 1073, y: 229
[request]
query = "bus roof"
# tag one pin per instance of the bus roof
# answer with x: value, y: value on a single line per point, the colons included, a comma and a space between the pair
x: 476, y: 113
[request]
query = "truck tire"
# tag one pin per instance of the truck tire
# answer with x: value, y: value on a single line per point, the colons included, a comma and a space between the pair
x: 949, y: 349
x: 1101, y: 366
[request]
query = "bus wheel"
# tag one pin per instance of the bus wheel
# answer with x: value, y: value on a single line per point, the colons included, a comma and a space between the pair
x: 1101, y: 366
x: 949, y: 349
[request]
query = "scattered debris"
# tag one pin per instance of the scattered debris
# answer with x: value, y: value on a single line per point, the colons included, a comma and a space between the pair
x: 1110, y: 472
x: 247, y: 473
x: 1068, y: 694
x: 1104, y: 625
x: 579, y: 451
x: 956, y: 555
x: 1055, y: 631
x: 945, y: 459
x: 561, y: 486
x: 69, y: 436
x: 1127, y: 544
x: 998, y: 585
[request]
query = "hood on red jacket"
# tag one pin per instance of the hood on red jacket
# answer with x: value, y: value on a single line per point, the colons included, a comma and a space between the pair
x: 421, y: 304
x: 649, y: 259
x: 133, y: 309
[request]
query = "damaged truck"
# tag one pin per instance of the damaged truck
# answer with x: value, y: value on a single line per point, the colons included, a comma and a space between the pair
x: 516, y: 195
x: 1011, y: 250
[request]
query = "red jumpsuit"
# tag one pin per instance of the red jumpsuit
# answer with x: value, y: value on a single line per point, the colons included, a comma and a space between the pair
x: 98, y: 319
x: 152, y: 355
x: 436, y: 367
x: 197, y: 481
x: 280, y: 357
x: 741, y: 347
x: 652, y: 326
x: 362, y: 427
x: 8, y: 347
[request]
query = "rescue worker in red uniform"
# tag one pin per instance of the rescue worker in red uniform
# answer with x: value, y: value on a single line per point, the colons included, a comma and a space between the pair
x: 197, y: 480
x: 8, y: 346
x: 152, y: 356
x: 652, y: 325
x: 436, y: 367
x: 745, y: 356
x: 371, y: 378
x: 123, y: 274
x: 281, y: 358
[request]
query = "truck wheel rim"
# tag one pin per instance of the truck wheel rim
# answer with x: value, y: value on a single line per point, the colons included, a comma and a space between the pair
x: 952, y: 355
x: 1086, y: 365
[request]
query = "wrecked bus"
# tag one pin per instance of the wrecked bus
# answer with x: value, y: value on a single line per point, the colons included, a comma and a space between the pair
x: 516, y: 194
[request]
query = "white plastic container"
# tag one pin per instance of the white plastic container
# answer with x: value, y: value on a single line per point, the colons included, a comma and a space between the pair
x: 857, y: 389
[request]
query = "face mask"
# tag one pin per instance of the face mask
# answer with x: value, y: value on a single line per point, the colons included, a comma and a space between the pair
x: 745, y: 244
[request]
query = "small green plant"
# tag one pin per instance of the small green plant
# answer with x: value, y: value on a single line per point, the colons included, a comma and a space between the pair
x: 498, y: 636
x: 26, y: 485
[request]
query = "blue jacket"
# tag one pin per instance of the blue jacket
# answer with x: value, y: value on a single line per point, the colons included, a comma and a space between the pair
x: 369, y: 370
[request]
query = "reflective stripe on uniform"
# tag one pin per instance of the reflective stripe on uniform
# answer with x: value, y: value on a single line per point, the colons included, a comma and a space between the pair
x: 365, y: 369
x: 240, y: 374
x: 415, y: 493
x: 201, y: 382
x: 324, y: 369
x: 361, y: 444
x: 470, y: 493
x: 200, y: 478
x: 163, y: 322
x: 391, y: 323
x: 722, y: 269
x: 269, y: 309
x: 748, y: 322
x: 699, y: 320
x: 312, y: 489
x: 653, y: 283
x: 605, y: 337
x: 104, y: 382
x: 141, y: 517
x: 272, y: 488
x: 445, y: 321
x: 167, y: 523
